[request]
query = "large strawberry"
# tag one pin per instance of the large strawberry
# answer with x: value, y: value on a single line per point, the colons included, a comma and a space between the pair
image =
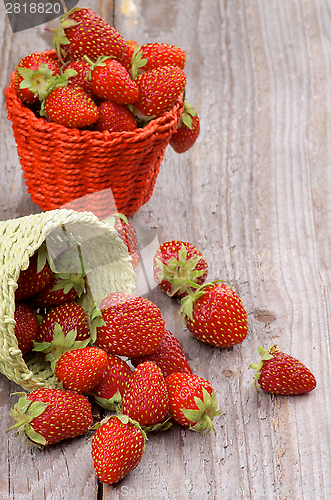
x: 280, y: 373
x: 117, y: 448
x: 193, y: 401
x: 26, y: 326
x: 146, y: 397
x: 176, y: 264
x: 132, y: 325
x: 170, y: 356
x: 34, y: 75
x: 46, y: 416
x: 34, y: 278
x: 214, y: 314
x: 188, y: 130
x: 114, y: 117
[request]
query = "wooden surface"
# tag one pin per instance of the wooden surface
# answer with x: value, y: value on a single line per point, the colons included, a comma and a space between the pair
x: 254, y: 195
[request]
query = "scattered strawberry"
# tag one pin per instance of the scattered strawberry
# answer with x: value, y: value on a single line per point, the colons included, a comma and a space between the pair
x: 214, y: 314
x: 146, y: 398
x: 117, y: 448
x: 114, y: 117
x: 169, y: 356
x: 188, y: 130
x: 34, y: 278
x: 47, y: 416
x: 193, y: 401
x: 132, y: 325
x: 175, y: 264
x: 60, y: 289
x: 280, y: 373
x: 26, y: 326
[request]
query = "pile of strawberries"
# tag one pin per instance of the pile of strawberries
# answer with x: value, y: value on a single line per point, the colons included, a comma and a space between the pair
x: 99, y: 81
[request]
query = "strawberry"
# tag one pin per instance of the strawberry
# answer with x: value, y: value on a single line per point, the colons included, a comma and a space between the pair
x: 80, y: 370
x: 109, y: 391
x: 188, y: 130
x: 117, y: 448
x: 169, y: 356
x: 193, y: 401
x: 47, y: 416
x: 110, y: 80
x: 34, y: 75
x: 175, y: 264
x: 83, y: 32
x: 70, y: 106
x: 146, y: 398
x: 280, y: 373
x: 128, y: 235
x: 34, y: 278
x: 132, y: 325
x: 60, y: 289
x: 114, y: 117
x: 82, y: 68
x: 159, y: 89
x: 132, y: 48
x: 162, y: 54
x: 214, y: 314
x: 26, y: 327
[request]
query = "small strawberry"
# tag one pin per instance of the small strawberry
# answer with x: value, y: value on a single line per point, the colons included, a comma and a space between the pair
x: 60, y: 289
x: 131, y: 55
x: 128, y: 235
x: 280, y: 373
x: 188, y: 130
x: 214, y: 314
x: 26, y: 327
x: 109, y: 391
x: 47, y: 416
x: 34, y: 278
x: 132, y: 325
x: 117, y: 448
x: 80, y: 370
x: 34, y: 76
x: 146, y: 398
x: 82, y: 68
x: 169, y: 356
x: 159, y: 89
x: 193, y: 401
x: 175, y: 264
x: 114, y: 117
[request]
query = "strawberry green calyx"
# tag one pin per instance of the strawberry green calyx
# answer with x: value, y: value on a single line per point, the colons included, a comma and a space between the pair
x: 111, y: 404
x: 204, y: 415
x: 159, y: 427
x: 70, y: 280
x: 189, y: 300
x: 60, y: 37
x: 99, y: 62
x: 24, y: 412
x: 125, y: 419
x: 186, y: 116
x: 137, y: 62
x: 95, y: 321
x: 265, y: 354
x: 38, y: 81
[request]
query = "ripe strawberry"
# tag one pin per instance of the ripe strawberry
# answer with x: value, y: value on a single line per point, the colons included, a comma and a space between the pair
x: 80, y: 370
x: 162, y: 54
x: 109, y: 391
x: 214, y: 314
x: 280, y: 373
x: 46, y: 416
x: 169, y: 356
x: 117, y: 448
x: 133, y: 325
x: 114, y: 117
x: 83, y: 32
x: 60, y: 289
x: 193, y: 401
x: 71, y: 107
x: 126, y: 232
x: 175, y: 264
x: 34, y: 75
x: 146, y: 398
x: 34, y: 278
x: 132, y: 49
x: 26, y: 326
x: 159, y: 89
x: 111, y: 81
x: 82, y: 69
x: 188, y: 130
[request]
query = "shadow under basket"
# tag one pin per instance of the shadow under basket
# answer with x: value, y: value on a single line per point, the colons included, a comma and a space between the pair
x: 101, y: 172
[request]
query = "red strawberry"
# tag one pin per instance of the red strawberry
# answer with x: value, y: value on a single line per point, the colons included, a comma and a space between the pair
x: 46, y: 416
x: 117, y: 448
x: 193, y: 401
x: 280, y: 373
x: 146, y: 398
x: 128, y: 235
x: 176, y: 263
x: 60, y: 289
x: 34, y: 76
x: 109, y: 391
x: 71, y: 107
x: 114, y: 118
x: 132, y: 48
x: 159, y: 89
x: 188, y: 130
x: 111, y: 81
x: 133, y: 325
x: 169, y: 356
x: 34, y: 278
x: 26, y: 326
x: 82, y: 69
x: 162, y: 54
x: 83, y: 32
x: 80, y: 370
x: 214, y: 314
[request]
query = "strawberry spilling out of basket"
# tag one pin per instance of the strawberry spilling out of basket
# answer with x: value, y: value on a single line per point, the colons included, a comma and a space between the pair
x: 99, y: 81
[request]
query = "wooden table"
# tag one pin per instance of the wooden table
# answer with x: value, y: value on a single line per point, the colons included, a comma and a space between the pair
x: 254, y: 195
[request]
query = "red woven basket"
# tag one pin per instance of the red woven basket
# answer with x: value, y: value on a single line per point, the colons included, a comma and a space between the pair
x: 87, y: 170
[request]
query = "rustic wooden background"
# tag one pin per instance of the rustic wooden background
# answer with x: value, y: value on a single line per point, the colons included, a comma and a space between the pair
x: 254, y: 195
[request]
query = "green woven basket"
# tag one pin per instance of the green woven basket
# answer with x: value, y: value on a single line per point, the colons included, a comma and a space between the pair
x: 102, y: 253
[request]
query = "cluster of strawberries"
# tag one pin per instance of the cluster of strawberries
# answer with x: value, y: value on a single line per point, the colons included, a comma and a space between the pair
x: 99, y: 81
